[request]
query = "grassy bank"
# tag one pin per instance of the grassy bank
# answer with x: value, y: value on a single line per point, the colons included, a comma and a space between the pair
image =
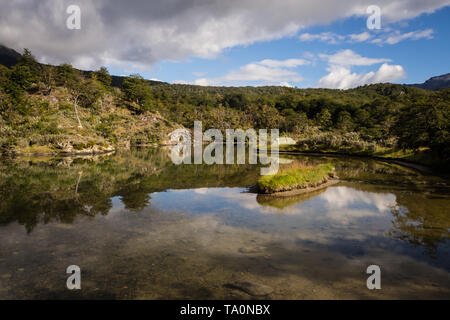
x: 421, y: 157
x: 296, y: 176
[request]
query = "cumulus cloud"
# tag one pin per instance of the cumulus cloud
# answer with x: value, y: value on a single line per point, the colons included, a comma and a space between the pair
x: 138, y: 33
x: 350, y: 58
x: 203, y: 82
x: 286, y: 84
x: 261, y: 72
x: 340, y: 75
x: 342, y: 78
x: 264, y: 72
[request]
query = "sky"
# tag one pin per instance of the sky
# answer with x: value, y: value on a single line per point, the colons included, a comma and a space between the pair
x: 298, y: 43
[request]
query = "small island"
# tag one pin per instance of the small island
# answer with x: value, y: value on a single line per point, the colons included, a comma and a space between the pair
x: 296, y: 179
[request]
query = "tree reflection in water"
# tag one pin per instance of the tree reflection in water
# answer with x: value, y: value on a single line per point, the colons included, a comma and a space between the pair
x: 35, y: 191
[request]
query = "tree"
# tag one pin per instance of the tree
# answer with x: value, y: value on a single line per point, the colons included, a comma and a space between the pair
x: 426, y: 126
x: 137, y: 90
x: 268, y: 118
x: 323, y: 119
x: 236, y: 100
x: 65, y: 73
x: 22, y: 76
x: 83, y: 93
x: 103, y: 76
x: 301, y: 123
x: 344, y: 121
x: 48, y: 78
x: 27, y: 59
x: 286, y: 101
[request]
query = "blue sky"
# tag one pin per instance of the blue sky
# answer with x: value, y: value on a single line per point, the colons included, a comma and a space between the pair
x: 421, y: 58
x: 302, y: 43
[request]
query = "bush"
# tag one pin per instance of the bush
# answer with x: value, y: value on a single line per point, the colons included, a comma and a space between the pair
x: 349, y: 141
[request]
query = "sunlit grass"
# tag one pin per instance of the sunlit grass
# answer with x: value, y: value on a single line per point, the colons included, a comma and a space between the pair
x: 297, y: 175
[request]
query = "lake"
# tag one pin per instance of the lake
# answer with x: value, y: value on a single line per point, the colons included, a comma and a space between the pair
x: 140, y: 227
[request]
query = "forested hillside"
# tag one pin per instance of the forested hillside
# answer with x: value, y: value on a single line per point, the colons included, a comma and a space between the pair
x: 52, y: 109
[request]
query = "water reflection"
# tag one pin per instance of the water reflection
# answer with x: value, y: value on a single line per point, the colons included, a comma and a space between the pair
x: 141, y: 227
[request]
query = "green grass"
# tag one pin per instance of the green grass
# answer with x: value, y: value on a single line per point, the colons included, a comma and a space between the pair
x: 423, y: 156
x: 299, y: 176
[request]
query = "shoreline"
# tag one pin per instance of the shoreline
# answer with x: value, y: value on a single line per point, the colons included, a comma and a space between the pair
x: 405, y: 163
x: 78, y: 153
x: 56, y: 154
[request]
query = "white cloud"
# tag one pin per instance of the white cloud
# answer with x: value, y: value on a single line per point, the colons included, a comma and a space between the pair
x: 279, y: 73
x: 360, y: 37
x: 289, y: 63
x: 257, y: 72
x: 140, y: 33
x: 414, y: 35
x: 389, y: 36
x: 328, y: 37
x: 264, y: 72
x: 350, y: 58
x: 341, y: 77
x: 286, y: 84
x: 203, y: 82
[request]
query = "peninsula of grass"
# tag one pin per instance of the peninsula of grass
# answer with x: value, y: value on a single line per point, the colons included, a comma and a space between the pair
x: 297, y: 176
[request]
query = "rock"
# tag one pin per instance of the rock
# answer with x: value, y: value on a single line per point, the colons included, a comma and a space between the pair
x: 250, y: 249
x: 253, y: 289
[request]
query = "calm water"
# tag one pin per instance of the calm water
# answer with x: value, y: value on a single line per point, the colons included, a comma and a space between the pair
x: 140, y: 227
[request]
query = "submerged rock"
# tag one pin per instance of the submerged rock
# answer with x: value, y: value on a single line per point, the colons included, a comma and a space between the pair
x: 251, y: 288
x: 250, y: 249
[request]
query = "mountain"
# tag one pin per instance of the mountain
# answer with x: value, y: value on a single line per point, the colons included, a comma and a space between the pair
x: 8, y: 57
x: 435, y: 83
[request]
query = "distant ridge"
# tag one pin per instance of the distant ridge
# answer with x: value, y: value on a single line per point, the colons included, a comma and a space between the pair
x: 435, y: 83
x: 8, y: 57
